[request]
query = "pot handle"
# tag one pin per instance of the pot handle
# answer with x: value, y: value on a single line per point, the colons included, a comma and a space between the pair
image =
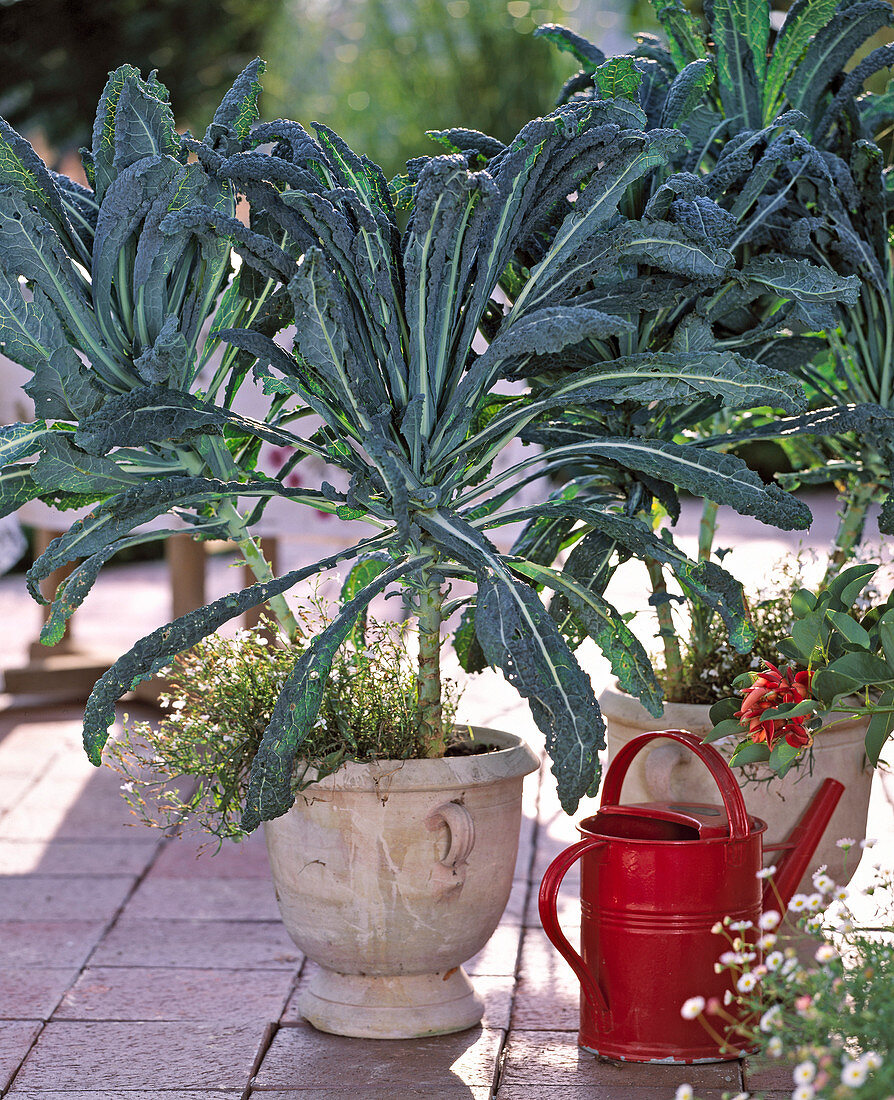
x: 549, y: 918
x: 731, y: 793
x: 460, y: 831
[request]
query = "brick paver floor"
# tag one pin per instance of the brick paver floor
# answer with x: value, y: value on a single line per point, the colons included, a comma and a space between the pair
x: 130, y: 969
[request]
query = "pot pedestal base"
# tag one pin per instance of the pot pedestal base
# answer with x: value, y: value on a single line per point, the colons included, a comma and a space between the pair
x: 408, y: 1006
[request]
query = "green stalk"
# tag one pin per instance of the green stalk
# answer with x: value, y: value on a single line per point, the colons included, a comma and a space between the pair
x: 702, y: 616
x: 673, y: 655
x: 253, y: 557
x: 855, y: 503
x: 428, y: 678
x: 247, y: 546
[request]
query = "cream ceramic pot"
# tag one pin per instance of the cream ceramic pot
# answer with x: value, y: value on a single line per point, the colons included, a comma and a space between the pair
x: 390, y: 876
x: 666, y: 775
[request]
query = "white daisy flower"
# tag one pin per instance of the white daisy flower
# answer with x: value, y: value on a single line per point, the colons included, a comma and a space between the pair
x: 774, y: 960
x: 774, y: 1047
x: 766, y: 1023
x: 684, y: 1092
x: 846, y: 842
x: 799, y: 903
x: 867, y: 843
x: 871, y: 1060
x: 854, y: 1074
x: 766, y: 872
x: 747, y: 982
x: 804, y: 1073
x: 804, y: 1092
x: 824, y: 883
x: 769, y: 920
x: 825, y: 953
x: 741, y: 925
x: 691, y: 1010
x: 768, y: 941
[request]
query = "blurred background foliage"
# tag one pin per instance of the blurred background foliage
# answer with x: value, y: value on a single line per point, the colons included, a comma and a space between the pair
x: 380, y: 72
x: 55, y: 56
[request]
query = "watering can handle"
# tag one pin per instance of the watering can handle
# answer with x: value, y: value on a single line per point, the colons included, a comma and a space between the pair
x: 549, y: 918
x: 733, y: 801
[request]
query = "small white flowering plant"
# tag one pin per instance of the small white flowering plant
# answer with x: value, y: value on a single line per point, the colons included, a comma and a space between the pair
x: 831, y: 1018
x: 195, y: 763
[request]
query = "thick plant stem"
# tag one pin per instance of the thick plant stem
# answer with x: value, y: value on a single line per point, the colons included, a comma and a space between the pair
x: 431, y: 727
x: 701, y: 615
x: 855, y: 503
x: 673, y: 656
x: 260, y: 568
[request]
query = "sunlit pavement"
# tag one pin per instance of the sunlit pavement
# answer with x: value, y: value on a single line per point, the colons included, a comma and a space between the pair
x: 131, y: 969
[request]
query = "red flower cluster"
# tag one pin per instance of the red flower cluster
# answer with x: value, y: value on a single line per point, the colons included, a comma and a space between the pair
x: 770, y: 689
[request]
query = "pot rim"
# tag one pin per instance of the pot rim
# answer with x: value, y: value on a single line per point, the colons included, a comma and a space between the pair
x: 513, y: 760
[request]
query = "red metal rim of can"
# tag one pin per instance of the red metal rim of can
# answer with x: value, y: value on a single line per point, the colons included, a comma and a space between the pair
x: 756, y: 826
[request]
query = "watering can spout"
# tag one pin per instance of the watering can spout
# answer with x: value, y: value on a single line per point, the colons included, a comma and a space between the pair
x: 800, y: 846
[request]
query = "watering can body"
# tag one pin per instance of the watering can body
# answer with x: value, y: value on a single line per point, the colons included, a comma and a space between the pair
x: 655, y: 880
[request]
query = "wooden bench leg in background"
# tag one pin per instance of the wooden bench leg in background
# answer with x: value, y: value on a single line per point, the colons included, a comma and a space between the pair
x: 186, y: 566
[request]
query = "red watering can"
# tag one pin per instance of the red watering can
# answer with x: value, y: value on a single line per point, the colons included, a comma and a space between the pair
x: 655, y: 878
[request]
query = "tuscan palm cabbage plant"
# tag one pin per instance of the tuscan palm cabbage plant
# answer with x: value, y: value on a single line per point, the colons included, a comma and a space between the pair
x: 414, y: 416
x: 107, y: 310
x: 768, y: 118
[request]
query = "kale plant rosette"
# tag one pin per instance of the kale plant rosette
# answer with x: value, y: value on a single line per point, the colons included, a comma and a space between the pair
x: 411, y: 414
x: 780, y: 133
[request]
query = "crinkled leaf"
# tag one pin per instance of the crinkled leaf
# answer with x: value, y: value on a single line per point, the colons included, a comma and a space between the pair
x: 686, y: 92
x: 581, y: 50
x: 238, y: 109
x: 618, y: 78
x: 741, y: 32
x: 63, y: 466
x: 517, y: 636
x: 168, y: 360
x: 147, y: 415
x: 803, y: 19
x: 684, y: 35
x: 603, y: 623
x: 270, y: 786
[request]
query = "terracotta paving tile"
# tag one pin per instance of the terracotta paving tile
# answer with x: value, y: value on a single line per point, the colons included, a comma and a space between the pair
x: 149, y: 1055
x: 515, y: 906
x: 229, y: 899
x: 31, y: 993
x: 445, y: 1089
x: 15, y: 1042
x: 170, y: 1093
x: 75, y: 857
x: 303, y: 1059
x: 600, y: 1092
x: 237, y: 945
x: 496, y: 991
x: 48, y: 943
x: 172, y: 993
x: 767, y: 1073
x: 536, y: 1057
x: 54, y: 897
x: 567, y: 907
x: 548, y: 994
x: 183, y: 858
x: 499, y: 956
x: 81, y: 809
x: 12, y: 789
